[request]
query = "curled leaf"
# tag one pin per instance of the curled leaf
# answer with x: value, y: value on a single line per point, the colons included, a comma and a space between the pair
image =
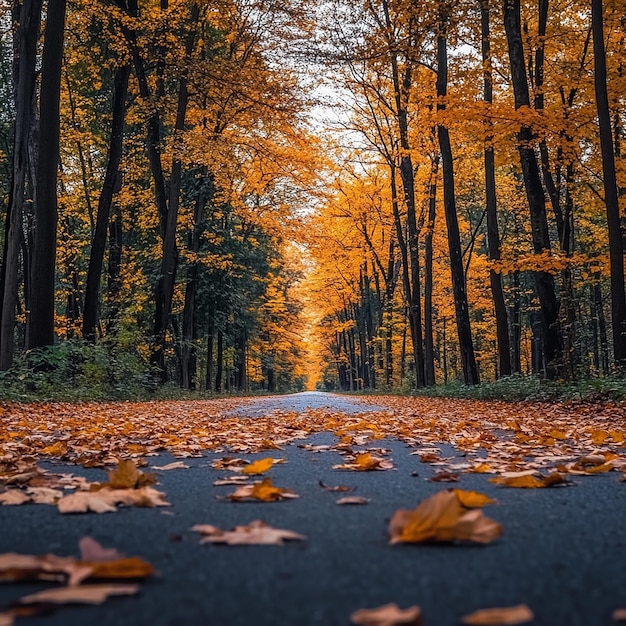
x: 506, y: 616
x: 84, y: 594
x: 255, y: 533
x: 352, y: 500
x: 388, y: 615
x: 263, y: 491
x: 442, y: 518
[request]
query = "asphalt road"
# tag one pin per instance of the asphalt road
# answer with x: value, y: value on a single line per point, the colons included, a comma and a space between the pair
x: 563, y: 551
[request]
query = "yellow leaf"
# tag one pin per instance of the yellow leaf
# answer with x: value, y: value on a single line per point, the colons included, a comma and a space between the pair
x: 473, y: 499
x: 258, y: 467
x: 522, y: 482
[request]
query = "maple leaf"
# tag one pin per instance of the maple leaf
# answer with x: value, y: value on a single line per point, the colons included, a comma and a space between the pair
x: 85, y: 594
x: 352, y: 500
x: 388, y: 615
x: 264, y: 491
x: 442, y: 518
x: 257, y: 533
x: 259, y: 467
x: 506, y: 616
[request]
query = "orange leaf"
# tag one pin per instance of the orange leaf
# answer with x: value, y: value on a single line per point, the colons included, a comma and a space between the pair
x: 442, y: 518
x: 507, y: 616
x: 258, y: 467
x: 473, y: 499
x: 388, y: 615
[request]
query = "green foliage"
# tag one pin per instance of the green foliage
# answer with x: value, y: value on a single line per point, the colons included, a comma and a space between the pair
x: 76, y: 370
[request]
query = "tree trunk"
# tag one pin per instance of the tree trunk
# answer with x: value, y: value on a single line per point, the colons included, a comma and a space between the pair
x: 468, y: 360
x: 40, y: 321
x: 611, y: 198
x: 26, y: 37
x: 493, y: 235
x: 219, y: 364
x: 114, y: 270
x: 109, y: 187
x: 429, y: 344
x: 169, y: 262
x: 544, y: 281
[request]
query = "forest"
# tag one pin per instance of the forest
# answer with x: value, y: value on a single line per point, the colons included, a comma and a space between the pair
x: 243, y: 195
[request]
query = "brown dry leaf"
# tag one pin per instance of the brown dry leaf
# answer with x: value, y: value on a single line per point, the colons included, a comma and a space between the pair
x: 44, y: 495
x: 259, y: 467
x: 229, y: 462
x: 171, y: 466
x: 127, y: 476
x: 366, y: 462
x: 232, y: 480
x: 337, y: 488
x: 85, y: 594
x: 14, y: 497
x: 531, y: 482
x: 91, y: 550
x: 352, y: 500
x: 6, y: 619
x: 105, y: 500
x: 442, y: 518
x: 15, y: 567
x: 122, y: 568
x: 388, y: 615
x: 506, y: 616
x: 619, y: 615
x: 264, y: 491
x: 473, y: 499
x: 255, y: 533
x: 444, y: 476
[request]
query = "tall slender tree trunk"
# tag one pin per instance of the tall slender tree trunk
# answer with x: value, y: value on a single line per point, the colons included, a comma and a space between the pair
x: 544, y: 281
x: 169, y: 262
x: 611, y: 198
x: 219, y: 361
x: 429, y: 343
x: 466, y: 347
x: 27, y: 35
x: 40, y: 320
x: 493, y: 234
x: 109, y: 186
x: 114, y: 270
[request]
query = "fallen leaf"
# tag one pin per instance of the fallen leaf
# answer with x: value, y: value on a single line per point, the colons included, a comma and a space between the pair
x: 619, y: 615
x: 257, y: 533
x: 531, y: 482
x: 105, y: 500
x: 6, y: 619
x: 84, y: 594
x: 507, y: 616
x: 123, y: 568
x: 14, y: 497
x: 91, y: 550
x: 473, y: 499
x: 264, y: 491
x: 388, y: 615
x: 444, y: 477
x: 442, y: 518
x: 16, y: 567
x: 44, y: 495
x: 337, y: 488
x: 352, y: 500
x: 233, y: 480
x: 258, y: 467
x: 171, y: 466
x: 366, y: 462
x: 127, y: 476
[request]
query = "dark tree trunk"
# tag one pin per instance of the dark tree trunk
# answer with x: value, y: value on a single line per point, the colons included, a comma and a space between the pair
x: 219, y: 361
x: 493, y: 235
x: 611, y: 198
x: 40, y: 321
x: 26, y: 38
x: 544, y: 281
x: 114, y: 270
x: 169, y: 262
x: 208, y: 381
x: 429, y: 344
x: 109, y: 187
x: 466, y: 347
